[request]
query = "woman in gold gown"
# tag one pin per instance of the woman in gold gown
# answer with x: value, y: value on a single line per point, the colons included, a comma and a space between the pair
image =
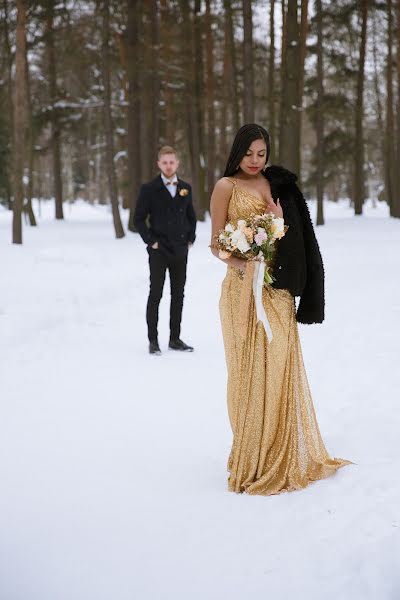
x: 277, y: 445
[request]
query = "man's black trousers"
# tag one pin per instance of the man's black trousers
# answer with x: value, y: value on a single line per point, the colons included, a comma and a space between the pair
x: 176, y: 265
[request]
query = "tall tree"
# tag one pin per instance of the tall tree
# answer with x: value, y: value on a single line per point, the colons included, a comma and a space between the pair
x: 320, y: 115
x: 229, y: 110
x: 155, y: 80
x: 282, y: 73
x: 134, y: 138
x: 210, y: 99
x: 271, y: 80
x: 199, y: 105
x: 288, y: 152
x: 55, y: 124
x: 225, y: 105
x: 302, y: 58
x: 359, y: 154
x: 398, y: 110
x: 390, y: 150
x: 9, y: 116
x: 108, y: 125
x: 168, y: 20
x: 149, y: 93
x: 377, y: 85
x: 192, y: 129
x: 340, y: 43
x: 19, y: 121
x: 248, y: 62
x: 233, y: 69
x: 31, y: 146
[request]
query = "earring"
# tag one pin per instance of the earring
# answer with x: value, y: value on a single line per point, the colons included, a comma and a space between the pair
x: 265, y: 167
x: 237, y: 168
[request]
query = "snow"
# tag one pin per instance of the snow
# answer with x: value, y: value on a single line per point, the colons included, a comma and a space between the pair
x: 113, y: 462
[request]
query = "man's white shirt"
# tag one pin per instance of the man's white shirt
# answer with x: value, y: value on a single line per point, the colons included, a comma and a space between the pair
x: 170, y: 184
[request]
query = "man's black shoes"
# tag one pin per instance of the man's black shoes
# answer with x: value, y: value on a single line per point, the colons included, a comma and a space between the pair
x: 179, y: 345
x: 174, y: 344
x: 154, y: 348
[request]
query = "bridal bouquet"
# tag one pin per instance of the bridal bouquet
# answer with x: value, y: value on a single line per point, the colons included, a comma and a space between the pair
x: 252, y: 239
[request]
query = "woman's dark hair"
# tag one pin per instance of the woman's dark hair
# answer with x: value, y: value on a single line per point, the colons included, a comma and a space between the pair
x: 242, y: 142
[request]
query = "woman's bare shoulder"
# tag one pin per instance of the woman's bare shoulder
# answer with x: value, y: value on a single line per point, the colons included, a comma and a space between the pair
x: 221, y: 196
x: 224, y: 186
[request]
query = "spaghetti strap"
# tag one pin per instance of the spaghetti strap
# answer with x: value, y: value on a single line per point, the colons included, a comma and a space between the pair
x: 231, y: 180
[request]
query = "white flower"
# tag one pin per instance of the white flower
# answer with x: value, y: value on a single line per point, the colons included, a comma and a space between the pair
x: 229, y: 227
x: 278, y: 228
x: 238, y: 240
x: 241, y: 224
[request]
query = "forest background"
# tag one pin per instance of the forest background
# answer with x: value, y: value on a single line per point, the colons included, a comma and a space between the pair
x: 90, y: 90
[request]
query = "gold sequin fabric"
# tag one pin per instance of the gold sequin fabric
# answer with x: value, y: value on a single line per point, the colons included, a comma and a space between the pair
x: 277, y: 445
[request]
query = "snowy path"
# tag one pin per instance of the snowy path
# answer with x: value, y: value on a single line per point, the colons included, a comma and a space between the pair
x: 112, y: 462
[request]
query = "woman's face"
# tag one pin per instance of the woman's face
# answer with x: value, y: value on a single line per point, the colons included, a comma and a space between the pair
x: 255, y: 158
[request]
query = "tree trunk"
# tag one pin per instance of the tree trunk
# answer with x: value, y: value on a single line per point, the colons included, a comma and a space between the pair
x: 283, y: 68
x: 377, y: 86
x: 112, y: 182
x: 231, y: 49
x: 320, y: 116
x: 148, y: 127
x: 19, y: 121
x: 9, y: 63
x: 378, y: 91
x: 192, y: 130
x: 398, y: 113
x: 134, y: 138
x: 31, y: 147
x: 210, y: 101
x: 120, y: 38
x: 288, y: 154
x: 155, y: 81
x: 271, y: 81
x: 302, y: 58
x: 359, y: 145
x: 390, y: 151
x: 248, y: 60
x: 168, y: 22
x: 225, y: 107
x: 199, y: 108
x: 145, y: 93
x: 55, y: 125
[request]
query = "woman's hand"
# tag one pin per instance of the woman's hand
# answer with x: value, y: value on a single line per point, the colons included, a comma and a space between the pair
x: 238, y: 263
x: 275, y: 209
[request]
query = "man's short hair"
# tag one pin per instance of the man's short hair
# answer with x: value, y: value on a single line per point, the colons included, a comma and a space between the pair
x: 166, y: 150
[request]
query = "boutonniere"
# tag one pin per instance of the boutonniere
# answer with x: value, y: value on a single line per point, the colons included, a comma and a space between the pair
x: 183, y: 192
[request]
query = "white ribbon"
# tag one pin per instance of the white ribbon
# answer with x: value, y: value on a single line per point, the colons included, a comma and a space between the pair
x: 258, y: 284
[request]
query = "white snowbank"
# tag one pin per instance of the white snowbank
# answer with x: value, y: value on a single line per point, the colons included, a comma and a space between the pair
x: 113, y: 463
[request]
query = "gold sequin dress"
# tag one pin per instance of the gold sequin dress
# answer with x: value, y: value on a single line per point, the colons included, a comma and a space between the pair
x: 277, y: 445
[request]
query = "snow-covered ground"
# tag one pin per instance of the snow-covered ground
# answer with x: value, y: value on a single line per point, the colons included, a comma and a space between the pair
x: 113, y: 463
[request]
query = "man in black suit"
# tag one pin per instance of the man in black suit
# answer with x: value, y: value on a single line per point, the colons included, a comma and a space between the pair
x: 165, y: 219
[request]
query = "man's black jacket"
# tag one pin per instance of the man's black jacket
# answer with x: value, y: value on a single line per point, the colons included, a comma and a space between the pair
x: 298, y: 264
x: 161, y: 218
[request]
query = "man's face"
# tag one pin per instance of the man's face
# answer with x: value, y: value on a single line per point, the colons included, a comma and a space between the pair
x: 168, y: 165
